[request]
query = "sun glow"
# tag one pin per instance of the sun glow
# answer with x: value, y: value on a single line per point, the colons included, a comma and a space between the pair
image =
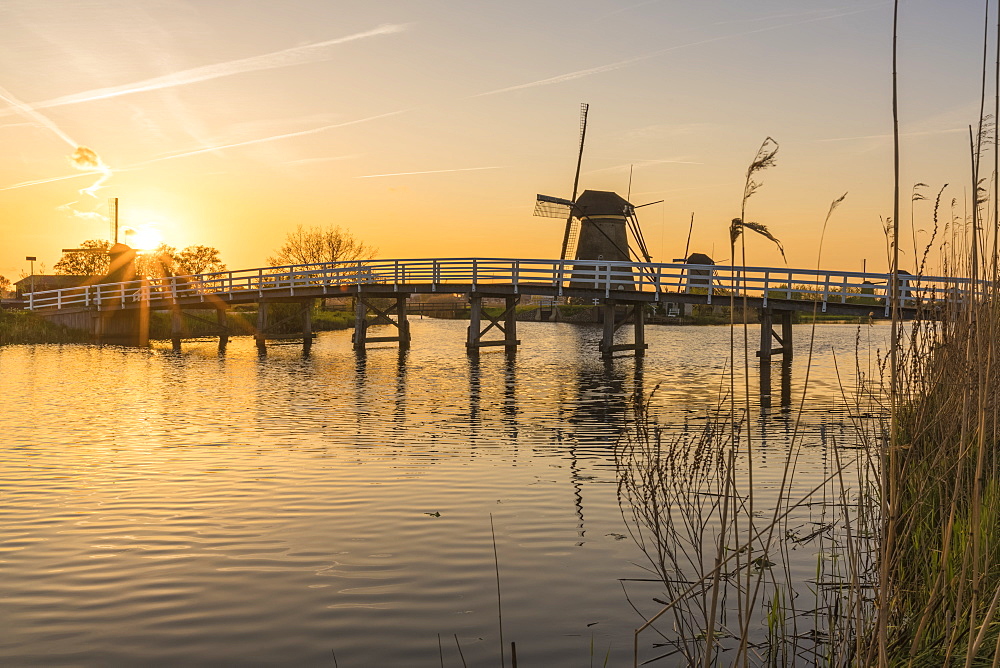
x: 144, y: 238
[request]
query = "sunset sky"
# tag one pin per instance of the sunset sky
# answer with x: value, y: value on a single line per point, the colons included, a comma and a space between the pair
x: 428, y: 127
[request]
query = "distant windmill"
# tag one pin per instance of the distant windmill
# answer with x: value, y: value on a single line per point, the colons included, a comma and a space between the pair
x: 122, y: 264
x: 598, y: 222
x: 113, y: 220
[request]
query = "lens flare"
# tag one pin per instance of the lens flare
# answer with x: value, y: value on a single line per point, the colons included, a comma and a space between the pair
x: 144, y: 237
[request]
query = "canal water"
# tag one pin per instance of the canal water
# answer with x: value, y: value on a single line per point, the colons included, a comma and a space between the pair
x: 228, y: 509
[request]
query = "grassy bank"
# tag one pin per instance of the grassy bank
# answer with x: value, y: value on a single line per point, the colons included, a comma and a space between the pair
x: 25, y: 327
x: 940, y: 555
x: 285, y: 318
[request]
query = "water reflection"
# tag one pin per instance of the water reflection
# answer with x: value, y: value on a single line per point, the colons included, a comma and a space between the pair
x: 270, y: 509
x: 785, y: 396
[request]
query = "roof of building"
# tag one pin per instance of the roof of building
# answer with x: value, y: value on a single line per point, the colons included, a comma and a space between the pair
x: 699, y: 258
x: 57, y: 280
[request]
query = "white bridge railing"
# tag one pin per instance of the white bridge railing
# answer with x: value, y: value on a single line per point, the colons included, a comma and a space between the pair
x: 606, y: 279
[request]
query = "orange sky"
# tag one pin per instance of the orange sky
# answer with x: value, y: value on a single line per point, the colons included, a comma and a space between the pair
x: 427, y: 128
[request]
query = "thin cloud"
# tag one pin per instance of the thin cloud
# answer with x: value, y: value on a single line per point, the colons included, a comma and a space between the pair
x: 36, y: 117
x: 579, y: 74
x: 83, y: 158
x: 261, y: 140
x: 209, y: 149
x: 430, y: 171
x: 643, y: 163
x: 788, y: 15
x: 38, y: 182
x: 298, y: 55
x: 923, y: 133
x: 317, y: 161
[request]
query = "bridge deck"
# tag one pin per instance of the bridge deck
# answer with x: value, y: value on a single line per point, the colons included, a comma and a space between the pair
x: 834, y: 292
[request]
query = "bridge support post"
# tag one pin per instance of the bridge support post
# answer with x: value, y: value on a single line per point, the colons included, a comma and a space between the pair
x: 222, y: 319
x: 99, y: 326
x: 360, y: 324
x: 142, y: 333
x: 768, y: 336
x: 506, y: 323
x: 261, y: 328
x: 176, y: 326
x: 634, y: 311
x: 383, y: 316
x: 307, y: 330
x: 639, y: 329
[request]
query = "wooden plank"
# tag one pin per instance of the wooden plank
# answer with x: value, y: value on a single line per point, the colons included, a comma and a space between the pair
x: 498, y: 342
x: 283, y: 337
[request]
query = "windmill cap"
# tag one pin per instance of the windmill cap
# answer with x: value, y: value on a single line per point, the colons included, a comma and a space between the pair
x: 699, y: 258
x: 595, y: 203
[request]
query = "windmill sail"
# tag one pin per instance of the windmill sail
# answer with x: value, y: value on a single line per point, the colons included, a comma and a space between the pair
x: 570, y: 234
x: 547, y: 206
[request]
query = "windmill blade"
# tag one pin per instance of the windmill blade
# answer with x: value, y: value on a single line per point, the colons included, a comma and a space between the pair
x: 633, y: 225
x: 568, y: 234
x: 547, y: 206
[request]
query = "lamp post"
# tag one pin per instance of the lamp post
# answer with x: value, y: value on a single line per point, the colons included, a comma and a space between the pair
x: 31, y: 259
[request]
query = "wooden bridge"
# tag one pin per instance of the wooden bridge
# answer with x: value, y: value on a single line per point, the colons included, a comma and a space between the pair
x: 623, y: 291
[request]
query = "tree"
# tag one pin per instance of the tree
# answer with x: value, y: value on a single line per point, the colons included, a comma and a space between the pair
x: 199, y: 260
x: 156, y: 263
x: 93, y: 262
x: 313, y: 245
x: 4, y: 285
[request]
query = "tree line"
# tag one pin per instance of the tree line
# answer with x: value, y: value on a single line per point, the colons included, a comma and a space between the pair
x: 303, y: 245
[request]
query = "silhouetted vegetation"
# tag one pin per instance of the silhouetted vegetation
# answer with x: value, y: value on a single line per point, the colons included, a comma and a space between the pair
x: 20, y: 327
x: 316, y: 245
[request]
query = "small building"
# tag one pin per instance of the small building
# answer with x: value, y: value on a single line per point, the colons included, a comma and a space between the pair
x: 42, y: 282
x: 699, y: 278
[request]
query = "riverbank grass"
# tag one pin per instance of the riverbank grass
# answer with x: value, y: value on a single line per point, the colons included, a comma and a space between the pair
x: 24, y: 327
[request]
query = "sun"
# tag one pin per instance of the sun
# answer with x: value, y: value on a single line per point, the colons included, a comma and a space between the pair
x: 144, y: 237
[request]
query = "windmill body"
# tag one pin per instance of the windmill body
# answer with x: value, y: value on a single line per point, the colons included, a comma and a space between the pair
x: 603, y: 234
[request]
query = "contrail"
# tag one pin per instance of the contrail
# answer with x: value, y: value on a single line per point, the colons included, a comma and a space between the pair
x: 83, y: 158
x: 920, y: 133
x: 209, y: 149
x: 431, y: 171
x: 569, y: 76
x: 262, y: 140
x: 38, y: 182
x: 298, y: 55
x: 41, y: 119
x: 315, y: 161
x: 644, y: 163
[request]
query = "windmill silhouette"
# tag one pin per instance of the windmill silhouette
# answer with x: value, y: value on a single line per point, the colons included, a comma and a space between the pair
x: 599, y: 223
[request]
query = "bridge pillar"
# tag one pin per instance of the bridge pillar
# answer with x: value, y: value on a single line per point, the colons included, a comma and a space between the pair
x: 474, y: 339
x: 271, y: 322
x: 222, y: 319
x: 634, y: 311
x: 768, y: 334
x: 383, y: 316
x: 766, y: 394
x: 176, y: 327
x: 258, y: 334
x: 307, y: 330
x: 98, y: 332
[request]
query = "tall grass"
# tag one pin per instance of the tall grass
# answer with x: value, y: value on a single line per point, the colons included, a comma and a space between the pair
x: 26, y: 328
x: 907, y: 521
